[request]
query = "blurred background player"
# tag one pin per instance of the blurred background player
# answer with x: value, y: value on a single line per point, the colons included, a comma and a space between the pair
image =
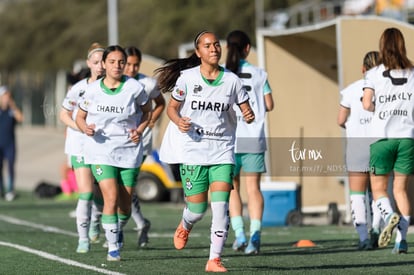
x: 74, y: 145
x: 355, y: 120
x: 250, y: 142
x: 10, y: 115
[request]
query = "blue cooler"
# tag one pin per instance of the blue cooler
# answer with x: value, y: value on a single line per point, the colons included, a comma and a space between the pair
x: 282, y: 203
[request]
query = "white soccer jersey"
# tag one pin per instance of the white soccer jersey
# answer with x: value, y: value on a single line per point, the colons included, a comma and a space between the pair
x: 114, y: 113
x: 394, y: 103
x: 210, y: 107
x: 251, y: 137
x: 74, y: 142
x: 151, y: 88
x: 358, y: 119
x: 356, y: 126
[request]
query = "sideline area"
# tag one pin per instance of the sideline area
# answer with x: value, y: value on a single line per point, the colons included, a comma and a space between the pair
x: 40, y: 154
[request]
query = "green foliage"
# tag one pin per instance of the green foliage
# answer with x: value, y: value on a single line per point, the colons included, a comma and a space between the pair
x: 40, y: 35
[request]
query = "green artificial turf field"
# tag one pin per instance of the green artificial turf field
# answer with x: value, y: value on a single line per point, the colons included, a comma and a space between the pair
x: 37, y: 236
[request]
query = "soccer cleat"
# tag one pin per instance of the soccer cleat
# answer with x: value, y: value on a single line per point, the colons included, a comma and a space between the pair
x: 365, y: 245
x: 400, y: 248
x: 113, y: 256
x: 215, y: 265
x: 240, y: 243
x: 386, y: 234
x: 94, y: 231
x: 83, y: 247
x: 143, y: 234
x: 254, y: 244
x: 120, y: 239
x: 374, y: 234
x: 181, y: 236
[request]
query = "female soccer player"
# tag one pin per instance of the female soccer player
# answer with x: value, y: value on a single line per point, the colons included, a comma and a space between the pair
x: 356, y: 121
x: 250, y: 143
x: 114, y: 114
x: 151, y: 88
x: 388, y: 91
x: 201, y: 107
x: 74, y: 145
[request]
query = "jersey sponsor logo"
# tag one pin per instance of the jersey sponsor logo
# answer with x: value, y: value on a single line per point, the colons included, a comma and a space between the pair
x: 388, y: 113
x: 81, y: 93
x: 110, y: 109
x: 197, y: 88
x: 210, y: 106
x: 391, y: 98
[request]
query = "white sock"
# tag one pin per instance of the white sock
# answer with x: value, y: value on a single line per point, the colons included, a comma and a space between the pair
x: 359, y: 215
x: 96, y: 213
x: 190, y: 218
x: 376, y: 217
x: 219, y: 228
x: 402, y: 229
x: 385, y: 208
x: 83, y: 213
x: 136, y: 214
x: 111, y: 234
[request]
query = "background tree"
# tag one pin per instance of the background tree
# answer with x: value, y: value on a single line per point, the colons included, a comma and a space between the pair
x: 44, y: 35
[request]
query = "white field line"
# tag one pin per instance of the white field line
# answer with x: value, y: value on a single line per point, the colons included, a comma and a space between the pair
x: 37, y: 226
x: 56, y: 230
x: 63, y: 232
x: 59, y: 259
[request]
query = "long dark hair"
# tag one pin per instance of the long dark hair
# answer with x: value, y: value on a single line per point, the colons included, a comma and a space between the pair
x: 168, y: 74
x: 393, y: 53
x: 113, y: 48
x: 134, y: 51
x: 237, y: 41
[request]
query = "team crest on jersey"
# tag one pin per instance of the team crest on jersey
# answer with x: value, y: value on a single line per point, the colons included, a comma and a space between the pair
x: 179, y: 92
x: 197, y: 88
x: 99, y: 170
x: 72, y: 103
x: 188, y: 184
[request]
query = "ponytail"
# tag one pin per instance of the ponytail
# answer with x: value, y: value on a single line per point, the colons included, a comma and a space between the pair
x: 168, y: 74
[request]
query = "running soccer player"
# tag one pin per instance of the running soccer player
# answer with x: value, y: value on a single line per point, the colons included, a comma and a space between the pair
x: 201, y: 107
x: 114, y: 114
x: 250, y: 143
x: 356, y: 120
x: 74, y: 146
x: 388, y: 93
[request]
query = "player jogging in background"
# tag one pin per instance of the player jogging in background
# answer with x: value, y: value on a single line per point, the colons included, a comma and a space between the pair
x: 387, y: 93
x: 74, y: 146
x: 356, y: 120
x: 250, y: 143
